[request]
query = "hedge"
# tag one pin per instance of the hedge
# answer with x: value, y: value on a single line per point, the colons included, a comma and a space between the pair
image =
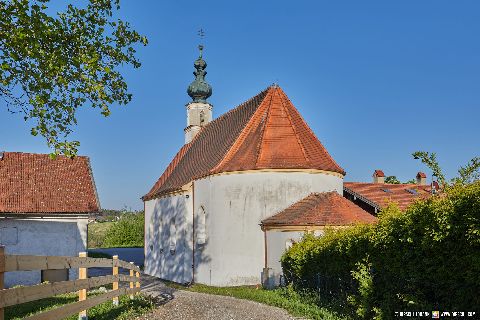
x: 126, y: 232
x: 426, y: 258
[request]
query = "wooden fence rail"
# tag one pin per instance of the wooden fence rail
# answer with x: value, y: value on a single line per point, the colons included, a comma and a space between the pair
x: 18, y: 295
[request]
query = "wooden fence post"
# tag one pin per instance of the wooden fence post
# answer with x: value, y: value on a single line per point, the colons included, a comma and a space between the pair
x: 131, y: 282
x: 82, y: 294
x: 2, y: 269
x: 138, y: 281
x: 115, y: 283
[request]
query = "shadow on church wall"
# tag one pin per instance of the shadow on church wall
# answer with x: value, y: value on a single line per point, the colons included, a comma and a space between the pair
x: 169, y: 242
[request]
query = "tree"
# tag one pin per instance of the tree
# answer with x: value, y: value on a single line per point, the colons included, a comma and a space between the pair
x: 392, y: 179
x: 469, y: 173
x: 52, y: 65
x: 466, y: 175
x: 430, y: 160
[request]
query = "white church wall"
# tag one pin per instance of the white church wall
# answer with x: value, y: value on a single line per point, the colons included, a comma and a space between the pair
x: 45, y: 237
x: 278, y: 242
x: 235, y: 204
x: 168, y: 237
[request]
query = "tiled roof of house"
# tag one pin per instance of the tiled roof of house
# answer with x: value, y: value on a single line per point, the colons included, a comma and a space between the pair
x: 34, y: 183
x: 321, y: 209
x: 266, y: 132
x: 381, y: 194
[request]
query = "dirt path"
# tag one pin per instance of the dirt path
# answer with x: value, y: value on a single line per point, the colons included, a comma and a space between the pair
x: 179, y: 304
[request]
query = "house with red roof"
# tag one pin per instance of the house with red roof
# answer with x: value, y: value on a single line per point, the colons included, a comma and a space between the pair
x: 243, y: 187
x: 373, y: 196
x: 44, y: 209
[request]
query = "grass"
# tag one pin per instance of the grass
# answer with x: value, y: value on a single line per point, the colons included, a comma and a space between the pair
x: 127, y: 308
x: 299, y: 305
x: 96, y: 234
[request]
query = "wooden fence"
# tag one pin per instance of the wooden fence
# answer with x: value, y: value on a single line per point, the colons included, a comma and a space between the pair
x: 14, y: 296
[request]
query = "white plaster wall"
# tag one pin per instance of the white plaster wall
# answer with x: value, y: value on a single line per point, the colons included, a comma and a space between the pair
x: 52, y: 237
x: 160, y: 214
x: 276, y: 247
x: 235, y: 205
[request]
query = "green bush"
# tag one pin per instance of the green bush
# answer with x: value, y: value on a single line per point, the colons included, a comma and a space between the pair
x: 426, y: 258
x: 126, y: 232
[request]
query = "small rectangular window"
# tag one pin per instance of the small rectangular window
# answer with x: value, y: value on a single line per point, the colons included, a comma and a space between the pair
x: 9, y: 235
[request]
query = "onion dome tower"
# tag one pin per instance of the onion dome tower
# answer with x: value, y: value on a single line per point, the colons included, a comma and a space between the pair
x: 199, y: 111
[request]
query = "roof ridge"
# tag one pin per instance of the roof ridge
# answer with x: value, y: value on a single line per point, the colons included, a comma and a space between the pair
x: 241, y: 136
x: 295, y: 129
x: 259, y: 145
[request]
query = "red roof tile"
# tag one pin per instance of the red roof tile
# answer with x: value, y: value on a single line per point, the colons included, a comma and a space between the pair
x: 266, y: 132
x: 34, y: 183
x: 381, y: 195
x: 321, y: 209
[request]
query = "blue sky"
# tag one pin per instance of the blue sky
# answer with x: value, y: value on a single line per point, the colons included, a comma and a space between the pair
x: 375, y: 80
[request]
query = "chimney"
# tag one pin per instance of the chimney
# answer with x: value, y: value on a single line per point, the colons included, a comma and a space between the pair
x: 378, y: 176
x: 421, y: 179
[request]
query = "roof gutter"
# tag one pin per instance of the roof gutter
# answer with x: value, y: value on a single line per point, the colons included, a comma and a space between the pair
x: 83, y: 215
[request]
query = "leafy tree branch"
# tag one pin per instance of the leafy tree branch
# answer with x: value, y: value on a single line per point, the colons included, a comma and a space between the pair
x: 430, y: 160
x: 53, y: 65
x: 466, y: 175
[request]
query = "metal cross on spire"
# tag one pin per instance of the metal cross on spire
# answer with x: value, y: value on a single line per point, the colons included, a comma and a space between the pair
x: 201, y: 34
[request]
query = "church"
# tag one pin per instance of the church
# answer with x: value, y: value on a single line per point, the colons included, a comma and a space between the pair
x: 244, y: 187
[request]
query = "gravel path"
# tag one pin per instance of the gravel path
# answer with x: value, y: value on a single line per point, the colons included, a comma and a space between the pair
x: 179, y: 304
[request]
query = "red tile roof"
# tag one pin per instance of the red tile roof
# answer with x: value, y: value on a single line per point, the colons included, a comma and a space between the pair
x: 378, y: 173
x: 381, y: 194
x: 34, y: 183
x: 266, y: 132
x: 321, y: 209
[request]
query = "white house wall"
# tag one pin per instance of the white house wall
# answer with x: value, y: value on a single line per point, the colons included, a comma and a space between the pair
x: 168, y: 224
x: 52, y: 237
x: 235, y: 204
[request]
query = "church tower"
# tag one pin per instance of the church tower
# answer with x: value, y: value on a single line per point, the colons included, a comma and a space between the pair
x: 199, y: 111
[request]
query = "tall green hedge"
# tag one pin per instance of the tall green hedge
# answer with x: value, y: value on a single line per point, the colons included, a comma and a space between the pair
x: 426, y: 258
x: 126, y: 232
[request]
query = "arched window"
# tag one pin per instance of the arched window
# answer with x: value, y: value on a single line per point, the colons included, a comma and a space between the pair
x: 202, y: 118
x: 202, y: 226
